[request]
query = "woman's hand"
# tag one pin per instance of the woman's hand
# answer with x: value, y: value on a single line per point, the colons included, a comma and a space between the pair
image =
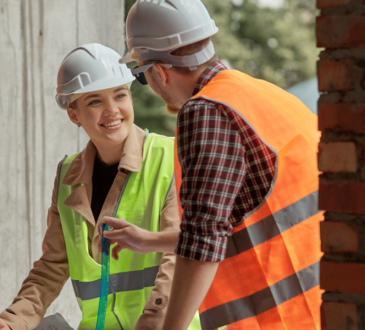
x: 131, y: 237
x: 3, y: 325
x: 127, y: 236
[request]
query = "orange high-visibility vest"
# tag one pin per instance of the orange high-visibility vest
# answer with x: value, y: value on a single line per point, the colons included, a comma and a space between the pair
x: 270, y: 277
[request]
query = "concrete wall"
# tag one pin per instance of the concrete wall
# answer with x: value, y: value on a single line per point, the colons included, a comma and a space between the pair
x: 35, y: 36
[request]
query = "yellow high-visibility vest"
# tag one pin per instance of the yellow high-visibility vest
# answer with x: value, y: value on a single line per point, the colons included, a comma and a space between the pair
x: 132, y: 277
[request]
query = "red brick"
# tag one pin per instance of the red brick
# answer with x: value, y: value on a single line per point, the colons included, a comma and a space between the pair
x: 337, y: 157
x: 342, y: 116
x: 321, y: 4
x: 337, y: 75
x: 342, y: 196
x: 338, y: 316
x: 338, y: 237
x: 340, y: 31
x: 345, y: 277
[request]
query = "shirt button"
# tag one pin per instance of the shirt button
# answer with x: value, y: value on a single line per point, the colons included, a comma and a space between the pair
x: 158, y: 301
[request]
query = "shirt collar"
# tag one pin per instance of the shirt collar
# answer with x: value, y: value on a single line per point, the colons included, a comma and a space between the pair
x: 208, y: 74
x: 81, y: 168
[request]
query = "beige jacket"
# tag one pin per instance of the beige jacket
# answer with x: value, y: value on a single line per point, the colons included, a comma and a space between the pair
x: 50, y: 272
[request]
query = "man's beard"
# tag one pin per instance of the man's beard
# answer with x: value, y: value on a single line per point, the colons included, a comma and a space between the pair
x: 170, y: 106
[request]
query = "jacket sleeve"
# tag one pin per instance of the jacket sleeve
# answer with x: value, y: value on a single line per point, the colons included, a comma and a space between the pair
x: 45, y: 280
x: 155, y: 309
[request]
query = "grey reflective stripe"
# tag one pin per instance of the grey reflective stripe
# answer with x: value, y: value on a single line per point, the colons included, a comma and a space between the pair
x: 121, y: 194
x: 261, y: 301
x: 128, y: 281
x: 170, y: 187
x: 112, y: 281
x: 147, y: 133
x: 273, y: 225
x: 59, y: 179
x: 113, y: 307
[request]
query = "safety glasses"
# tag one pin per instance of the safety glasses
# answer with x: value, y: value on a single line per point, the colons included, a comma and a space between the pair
x: 138, y: 71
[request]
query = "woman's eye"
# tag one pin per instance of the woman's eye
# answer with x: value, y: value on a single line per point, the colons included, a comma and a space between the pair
x: 94, y: 102
x: 120, y: 96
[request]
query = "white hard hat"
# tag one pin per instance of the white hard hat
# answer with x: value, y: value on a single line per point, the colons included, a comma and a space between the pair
x: 165, y: 25
x: 90, y: 68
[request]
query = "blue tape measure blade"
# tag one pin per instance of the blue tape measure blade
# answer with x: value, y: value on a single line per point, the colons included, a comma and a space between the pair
x: 104, y: 285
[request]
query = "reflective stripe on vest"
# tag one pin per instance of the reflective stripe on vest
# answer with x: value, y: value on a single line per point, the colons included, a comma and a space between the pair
x: 270, y: 277
x: 132, y: 277
x: 128, y: 281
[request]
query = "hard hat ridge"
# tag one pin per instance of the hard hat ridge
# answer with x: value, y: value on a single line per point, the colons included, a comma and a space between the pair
x: 90, y: 48
x: 164, y: 3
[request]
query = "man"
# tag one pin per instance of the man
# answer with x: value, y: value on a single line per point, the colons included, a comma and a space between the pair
x: 248, y: 250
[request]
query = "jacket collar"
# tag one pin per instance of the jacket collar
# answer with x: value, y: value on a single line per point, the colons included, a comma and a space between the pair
x: 81, y: 169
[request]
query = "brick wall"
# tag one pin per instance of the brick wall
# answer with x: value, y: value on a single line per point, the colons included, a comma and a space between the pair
x: 341, y: 116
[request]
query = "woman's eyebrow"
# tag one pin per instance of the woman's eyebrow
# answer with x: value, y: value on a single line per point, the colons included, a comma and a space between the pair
x: 98, y: 95
x: 92, y: 95
x: 119, y: 89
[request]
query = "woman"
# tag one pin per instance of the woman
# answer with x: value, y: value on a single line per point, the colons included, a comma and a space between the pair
x: 123, y: 172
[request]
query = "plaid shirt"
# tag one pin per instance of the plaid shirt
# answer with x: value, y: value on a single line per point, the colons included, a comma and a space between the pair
x: 226, y: 172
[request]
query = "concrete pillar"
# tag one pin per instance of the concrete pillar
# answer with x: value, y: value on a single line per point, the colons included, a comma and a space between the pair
x: 35, y: 134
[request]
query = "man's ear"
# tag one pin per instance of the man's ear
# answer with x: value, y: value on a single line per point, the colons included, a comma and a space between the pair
x: 72, y: 115
x: 162, y: 73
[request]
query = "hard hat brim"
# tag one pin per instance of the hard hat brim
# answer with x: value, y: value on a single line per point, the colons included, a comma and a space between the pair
x: 103, y: 84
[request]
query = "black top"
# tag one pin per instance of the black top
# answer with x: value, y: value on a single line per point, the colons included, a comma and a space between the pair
x: 103, y: 177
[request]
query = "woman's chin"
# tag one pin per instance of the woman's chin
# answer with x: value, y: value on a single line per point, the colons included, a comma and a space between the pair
x: 115, y: 138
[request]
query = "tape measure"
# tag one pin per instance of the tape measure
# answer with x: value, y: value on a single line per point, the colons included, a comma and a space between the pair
x: 104, y: 285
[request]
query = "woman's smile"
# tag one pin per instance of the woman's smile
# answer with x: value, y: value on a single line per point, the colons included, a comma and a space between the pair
x: 112, y: 124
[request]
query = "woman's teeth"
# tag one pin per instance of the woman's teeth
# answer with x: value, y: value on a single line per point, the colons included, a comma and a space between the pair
x: 113, y: 123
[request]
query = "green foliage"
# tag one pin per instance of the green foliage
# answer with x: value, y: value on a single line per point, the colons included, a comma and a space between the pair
x: 150, y: 111
x: 277, y: 45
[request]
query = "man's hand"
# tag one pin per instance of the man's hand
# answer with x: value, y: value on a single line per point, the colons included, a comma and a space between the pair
x: 126, y: 235
x: 3, y: 325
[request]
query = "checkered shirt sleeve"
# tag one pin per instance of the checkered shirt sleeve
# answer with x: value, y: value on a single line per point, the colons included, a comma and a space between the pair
x: 212, y: 159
